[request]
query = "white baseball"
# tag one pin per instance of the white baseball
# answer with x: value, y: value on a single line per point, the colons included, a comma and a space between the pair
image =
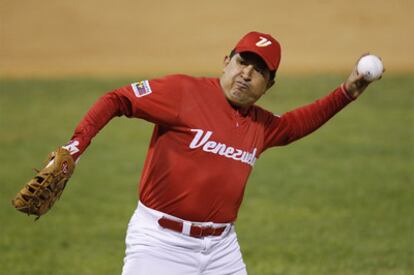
x: 371, y: 67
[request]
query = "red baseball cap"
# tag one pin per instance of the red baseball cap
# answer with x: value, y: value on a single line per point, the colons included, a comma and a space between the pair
x: 262, y: 44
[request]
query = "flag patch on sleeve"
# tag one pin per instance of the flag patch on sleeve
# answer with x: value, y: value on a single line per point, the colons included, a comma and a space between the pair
x: 141, y: 88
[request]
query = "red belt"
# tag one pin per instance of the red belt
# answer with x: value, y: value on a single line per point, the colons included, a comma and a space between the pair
x: 196, y: 231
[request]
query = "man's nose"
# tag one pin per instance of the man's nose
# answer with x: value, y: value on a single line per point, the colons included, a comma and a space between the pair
x: 247, y: 72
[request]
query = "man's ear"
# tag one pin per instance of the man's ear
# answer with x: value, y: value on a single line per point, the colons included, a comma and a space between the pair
x: 226, y: 60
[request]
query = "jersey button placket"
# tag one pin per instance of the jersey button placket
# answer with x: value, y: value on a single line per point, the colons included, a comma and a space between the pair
x: 236, y: 118
x: 237, y: 122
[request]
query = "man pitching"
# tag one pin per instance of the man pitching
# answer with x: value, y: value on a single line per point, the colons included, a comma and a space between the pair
x: 207, y: 136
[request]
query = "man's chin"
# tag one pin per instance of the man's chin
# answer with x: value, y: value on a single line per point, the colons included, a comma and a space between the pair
x: 235, y: 102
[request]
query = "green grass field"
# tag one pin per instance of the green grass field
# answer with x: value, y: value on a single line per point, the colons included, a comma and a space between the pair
x: 340, y: 201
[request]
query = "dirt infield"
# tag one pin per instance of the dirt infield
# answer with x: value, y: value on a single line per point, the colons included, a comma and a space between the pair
x: 100, y: 38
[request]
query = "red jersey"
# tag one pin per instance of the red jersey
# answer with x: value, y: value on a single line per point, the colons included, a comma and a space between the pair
x: 202, y: 149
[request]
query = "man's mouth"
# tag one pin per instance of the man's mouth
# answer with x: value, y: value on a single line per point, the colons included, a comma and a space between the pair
x: 242, y: 85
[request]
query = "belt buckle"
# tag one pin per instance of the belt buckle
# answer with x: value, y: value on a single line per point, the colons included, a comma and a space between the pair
x: 214, y: 230
x: 200, y: 230
x: 207, y: 230
x: 210, y: 228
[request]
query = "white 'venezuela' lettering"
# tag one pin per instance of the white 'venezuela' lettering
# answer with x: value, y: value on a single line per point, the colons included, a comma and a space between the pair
x: 203, y: 140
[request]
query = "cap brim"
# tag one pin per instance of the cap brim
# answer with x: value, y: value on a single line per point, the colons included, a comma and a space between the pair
x: 269, y: 64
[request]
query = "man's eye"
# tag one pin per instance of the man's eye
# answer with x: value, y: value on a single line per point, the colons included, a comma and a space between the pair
x: 259, y: 70
x: 243, y: 62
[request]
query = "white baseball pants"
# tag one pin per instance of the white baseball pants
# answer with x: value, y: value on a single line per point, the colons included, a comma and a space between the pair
x: 154, y: 250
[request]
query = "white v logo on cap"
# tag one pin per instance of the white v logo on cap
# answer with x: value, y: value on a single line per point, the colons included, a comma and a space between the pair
x: 264, y: 42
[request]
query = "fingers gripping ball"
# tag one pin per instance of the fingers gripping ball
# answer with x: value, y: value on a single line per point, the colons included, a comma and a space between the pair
x: 371, y: 67
x: 41, y: 192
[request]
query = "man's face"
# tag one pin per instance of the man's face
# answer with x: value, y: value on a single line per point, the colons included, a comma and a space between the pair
x: 245, y: 79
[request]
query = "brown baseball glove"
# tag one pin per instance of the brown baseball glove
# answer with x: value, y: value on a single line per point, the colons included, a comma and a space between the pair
x: 41, y: 192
